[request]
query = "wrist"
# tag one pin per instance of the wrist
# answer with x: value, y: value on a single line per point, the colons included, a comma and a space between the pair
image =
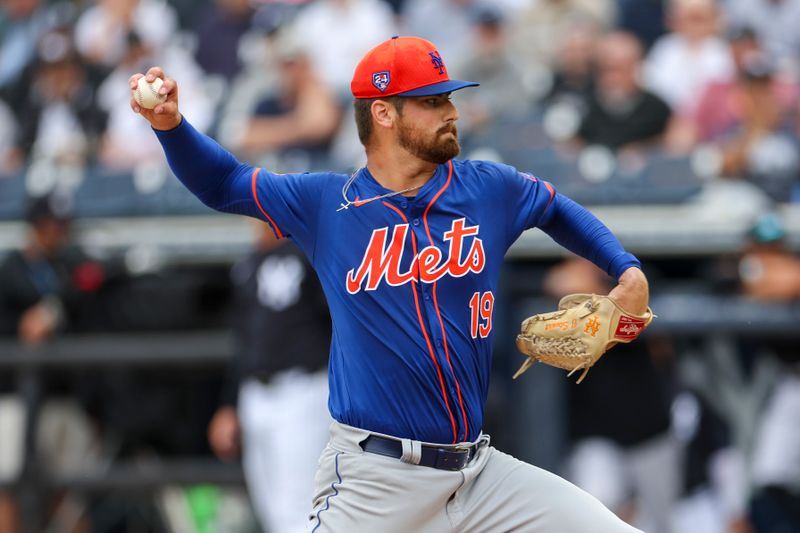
x: 632, y: 292
x: 633, y: 274
x: 167, y: 125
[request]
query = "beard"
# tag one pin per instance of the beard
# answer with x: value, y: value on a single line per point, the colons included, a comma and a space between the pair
x: 431, y: 148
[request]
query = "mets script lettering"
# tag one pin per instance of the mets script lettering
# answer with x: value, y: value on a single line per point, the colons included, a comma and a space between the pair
x: 382, y: 259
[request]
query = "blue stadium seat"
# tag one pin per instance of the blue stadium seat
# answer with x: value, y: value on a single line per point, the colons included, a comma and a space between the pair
x: 12, y: 197
x: 173, y: 199
x: 106, y: 194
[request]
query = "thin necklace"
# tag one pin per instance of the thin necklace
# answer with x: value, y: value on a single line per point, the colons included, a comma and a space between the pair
x: 358, y: 203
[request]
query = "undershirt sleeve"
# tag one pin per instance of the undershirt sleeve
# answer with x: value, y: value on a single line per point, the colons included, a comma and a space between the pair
x: 579, y: 231
x: 289, y: 203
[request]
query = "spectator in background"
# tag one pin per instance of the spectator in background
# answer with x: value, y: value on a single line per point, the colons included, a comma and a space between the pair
x: 620, y: 113
x: 219, y: 28
x: 776, y: 464
x: 760, y: 140
x: 624, y: 457
x: 43, y: 290
x: 573, y: 70
x: 643, y: 18
x: 448, y: 23
x: 775, y: 24
x: 43, y: 285
x: 489, y: 61
x: 336, y: 33
x: 59, y: 118
x: 101, y: 33
x: 22, y: 23
x: 538, y: 29
x: 770, y: 273
x: 274, y: 407
x: 737, y: 114
x: 713, y: 487
x: 260, y: 71
x: 10, y: 159
x: 116, y: 151
x: 751, y: 380
x: 683, y: 62
x: 302, y: 114
x: 720, y: 108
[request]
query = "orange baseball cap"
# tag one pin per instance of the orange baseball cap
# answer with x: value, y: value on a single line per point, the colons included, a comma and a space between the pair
x: 403, y: 66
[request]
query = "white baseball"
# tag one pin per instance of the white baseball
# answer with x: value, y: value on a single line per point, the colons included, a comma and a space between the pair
x: 146, y: 94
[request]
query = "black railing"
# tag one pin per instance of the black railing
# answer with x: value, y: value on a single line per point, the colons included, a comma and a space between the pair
x: 91, y: 352
x: 678, y: 315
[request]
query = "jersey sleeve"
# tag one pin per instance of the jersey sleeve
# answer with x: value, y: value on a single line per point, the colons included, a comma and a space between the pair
x: 531, y: 202
x: 579, y: 231
x: 288, y: 202
x: 524, y: 199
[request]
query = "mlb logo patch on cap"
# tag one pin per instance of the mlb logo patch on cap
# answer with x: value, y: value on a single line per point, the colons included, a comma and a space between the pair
x: 381, y: 80
x: 403, y: 66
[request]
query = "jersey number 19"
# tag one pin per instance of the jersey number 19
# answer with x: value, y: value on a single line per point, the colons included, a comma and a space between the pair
x: 481, y: 306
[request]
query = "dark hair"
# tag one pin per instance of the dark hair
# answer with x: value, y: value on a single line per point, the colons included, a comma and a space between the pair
x: 53, y: 207
x: 363, y: 109
x: 757, y: 67
x: 741, y: 33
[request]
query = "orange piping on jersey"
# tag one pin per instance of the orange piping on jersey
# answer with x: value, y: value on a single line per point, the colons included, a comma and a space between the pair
x: 436, y: 197
x: 275, y: 227
x: 422, y: 326
x: 447, y: 356
x: 436, y: 300
x: 358, y: 203
x: 552, y: 195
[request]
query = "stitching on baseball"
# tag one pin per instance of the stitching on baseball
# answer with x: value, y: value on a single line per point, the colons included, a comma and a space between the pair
x: 155, y: 93
x: 137, y: 94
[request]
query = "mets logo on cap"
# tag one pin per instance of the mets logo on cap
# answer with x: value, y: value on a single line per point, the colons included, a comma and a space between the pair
x: 381, y: 80
x: 402, y: 66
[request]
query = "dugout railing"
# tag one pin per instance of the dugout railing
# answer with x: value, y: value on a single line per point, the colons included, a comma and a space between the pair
x: 89, y: 353
x: 681, y: 315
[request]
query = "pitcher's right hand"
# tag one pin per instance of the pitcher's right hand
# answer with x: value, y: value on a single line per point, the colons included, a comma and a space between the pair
x: 164, y: 116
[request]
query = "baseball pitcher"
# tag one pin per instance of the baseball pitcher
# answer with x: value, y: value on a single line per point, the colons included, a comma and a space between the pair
x: 408, y: 250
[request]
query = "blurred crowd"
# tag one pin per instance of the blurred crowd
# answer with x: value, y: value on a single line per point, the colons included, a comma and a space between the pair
x: 607, y: 85
x: 614, y: 101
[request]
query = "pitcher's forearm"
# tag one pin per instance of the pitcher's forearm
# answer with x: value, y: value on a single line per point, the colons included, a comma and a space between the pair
x: 207, y: 169
x: 576, y: 229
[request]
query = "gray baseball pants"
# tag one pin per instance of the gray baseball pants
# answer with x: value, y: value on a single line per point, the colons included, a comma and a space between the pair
x: 358, y: 492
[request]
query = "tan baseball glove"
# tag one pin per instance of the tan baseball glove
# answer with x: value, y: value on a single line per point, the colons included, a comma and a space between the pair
x: 579, y: 333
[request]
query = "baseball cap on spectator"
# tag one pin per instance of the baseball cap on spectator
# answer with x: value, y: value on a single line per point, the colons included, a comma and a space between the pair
x: 56, y: 47
x: 757, y: 66
x: 52, y: 207
x: 403, y: 66
x: 767, y: 228
x: 741, y: 32
x: 487, y: 15
x: 271, y: 17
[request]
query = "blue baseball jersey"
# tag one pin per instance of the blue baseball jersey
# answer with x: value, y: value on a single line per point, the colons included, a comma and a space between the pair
x: 411, y: 282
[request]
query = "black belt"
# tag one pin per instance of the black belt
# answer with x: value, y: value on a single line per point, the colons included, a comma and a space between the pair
x: 443, y: 458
